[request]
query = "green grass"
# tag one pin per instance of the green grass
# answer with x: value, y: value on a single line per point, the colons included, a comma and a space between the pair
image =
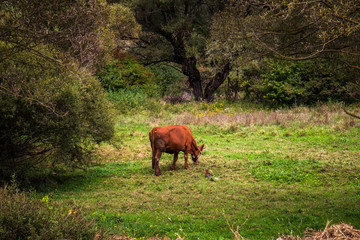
x: 274, y: 176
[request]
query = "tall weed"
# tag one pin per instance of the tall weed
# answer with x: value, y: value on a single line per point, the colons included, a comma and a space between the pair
x: 22, y: 217
x: 126, y: 100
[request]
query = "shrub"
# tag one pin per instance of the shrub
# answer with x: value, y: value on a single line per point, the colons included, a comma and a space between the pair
x: 126, y: 73
x: 284, y: 83
x: 48, y: 115
x: 24, y: 218
x: 169, y: 79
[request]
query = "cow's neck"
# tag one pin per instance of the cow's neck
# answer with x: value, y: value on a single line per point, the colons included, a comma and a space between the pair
x: 194, y: 146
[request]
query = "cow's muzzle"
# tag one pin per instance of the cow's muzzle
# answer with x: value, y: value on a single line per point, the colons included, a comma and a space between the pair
x: 197, y: 159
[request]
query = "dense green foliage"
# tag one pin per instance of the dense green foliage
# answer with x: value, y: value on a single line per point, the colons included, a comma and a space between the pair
x: 22, y: 217
x: 169, y: 79
x: 126, y: 73
x: 48, y: 115
x: 129, y: 84
x: 283, y: 83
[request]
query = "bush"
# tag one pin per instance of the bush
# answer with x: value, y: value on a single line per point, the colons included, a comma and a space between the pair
x: 284, y: 83
x: 48, y: 115
x: 126, y: 73
x: 169, y: 79
x: 24, y: 218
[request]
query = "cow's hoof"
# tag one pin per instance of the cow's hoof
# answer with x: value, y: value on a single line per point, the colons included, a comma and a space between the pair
x: 158, y: 174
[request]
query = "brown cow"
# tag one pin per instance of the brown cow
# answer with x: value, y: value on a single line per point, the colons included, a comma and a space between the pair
x: 173, y: 139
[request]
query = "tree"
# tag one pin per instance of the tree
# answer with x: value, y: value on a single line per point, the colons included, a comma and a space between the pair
x: 75, y: 28
x: 52, y: 108
x: 324, y: 32
x: 178, y: 31
x: 124, y: 25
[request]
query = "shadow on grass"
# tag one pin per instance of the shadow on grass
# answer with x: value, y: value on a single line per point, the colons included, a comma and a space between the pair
x: 79, y: 180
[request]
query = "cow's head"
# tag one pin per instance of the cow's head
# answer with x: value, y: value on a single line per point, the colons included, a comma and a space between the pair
x: 196, y: 152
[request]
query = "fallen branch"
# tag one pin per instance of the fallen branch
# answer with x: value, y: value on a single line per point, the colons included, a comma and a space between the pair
x: 351, y: 114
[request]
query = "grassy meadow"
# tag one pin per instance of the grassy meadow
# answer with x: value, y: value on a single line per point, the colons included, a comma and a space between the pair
x: 277, y: 172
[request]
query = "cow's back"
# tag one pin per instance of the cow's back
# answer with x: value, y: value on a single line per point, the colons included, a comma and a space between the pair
x: 171, y: 138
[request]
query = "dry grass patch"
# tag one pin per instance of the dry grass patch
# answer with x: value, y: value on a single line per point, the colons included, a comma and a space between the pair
x: 106, y: 153
x: 333, y: 116
x: 335, y: 232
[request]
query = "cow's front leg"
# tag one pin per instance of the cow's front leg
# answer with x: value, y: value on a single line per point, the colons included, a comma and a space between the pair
x: 186, y: 160
x: 157, y: 159
x: 175, y: 159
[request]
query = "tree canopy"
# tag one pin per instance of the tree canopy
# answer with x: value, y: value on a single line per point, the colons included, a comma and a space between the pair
x: 293, y: 29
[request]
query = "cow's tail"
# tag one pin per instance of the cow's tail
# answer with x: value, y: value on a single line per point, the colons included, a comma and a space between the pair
x: 152, y: 141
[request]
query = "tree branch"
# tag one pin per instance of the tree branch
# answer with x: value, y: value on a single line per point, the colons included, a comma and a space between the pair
x: 311, y: 56
x: 351, y: 114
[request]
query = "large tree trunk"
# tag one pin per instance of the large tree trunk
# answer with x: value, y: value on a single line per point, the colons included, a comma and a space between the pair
x: 189, y: 69
x: 215, y: 83
x: 188, y: 65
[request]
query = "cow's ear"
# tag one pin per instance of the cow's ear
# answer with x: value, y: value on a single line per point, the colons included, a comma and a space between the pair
x: 202, y: 148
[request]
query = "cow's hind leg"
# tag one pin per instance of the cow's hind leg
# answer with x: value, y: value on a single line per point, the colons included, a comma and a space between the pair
x: 156, y: 162
x: 175, y: 159
x: 153, y: 158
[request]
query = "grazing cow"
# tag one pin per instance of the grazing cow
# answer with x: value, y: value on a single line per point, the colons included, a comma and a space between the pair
x: 173, y: 139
